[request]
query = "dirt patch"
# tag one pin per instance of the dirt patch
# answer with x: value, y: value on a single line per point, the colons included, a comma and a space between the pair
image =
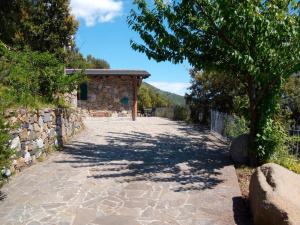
x: 244, y: 175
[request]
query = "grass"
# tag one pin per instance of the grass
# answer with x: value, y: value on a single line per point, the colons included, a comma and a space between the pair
x: 289, y: 162
x: 284, y: 158
x: 42, y: 157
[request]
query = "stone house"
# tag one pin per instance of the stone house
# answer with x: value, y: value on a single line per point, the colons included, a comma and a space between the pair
x: 109, y: 93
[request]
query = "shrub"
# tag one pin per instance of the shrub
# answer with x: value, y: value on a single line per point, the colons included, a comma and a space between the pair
x: 271, y: 141
x: 32, y: 77
x: 234, y: 128
x: 181, y: 113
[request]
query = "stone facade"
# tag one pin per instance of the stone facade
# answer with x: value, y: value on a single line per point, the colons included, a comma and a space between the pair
x: 39, y: 131
x: 109, y: 96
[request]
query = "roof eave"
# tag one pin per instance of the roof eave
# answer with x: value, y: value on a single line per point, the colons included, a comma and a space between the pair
x: 109, y: 72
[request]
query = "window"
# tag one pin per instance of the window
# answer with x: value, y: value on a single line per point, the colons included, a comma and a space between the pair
x: 124, y: 101
x: 82, y: 92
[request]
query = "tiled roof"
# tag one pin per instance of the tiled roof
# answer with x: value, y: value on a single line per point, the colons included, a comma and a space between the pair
x: 109, y: 72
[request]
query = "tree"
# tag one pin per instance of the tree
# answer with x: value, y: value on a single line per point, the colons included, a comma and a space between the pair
x: 10, y: 17
x: 74, y: 59
x: 148, y: 98
x: 213, y: 90
x: 256, y: 42
x: 40, y: 25
x: 94, y: 63
x: 51, y: 26
x: 291, y: 98
x: 144, y: 99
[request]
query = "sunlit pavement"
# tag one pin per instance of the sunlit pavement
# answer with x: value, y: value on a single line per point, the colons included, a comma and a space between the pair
x: 152, y: 171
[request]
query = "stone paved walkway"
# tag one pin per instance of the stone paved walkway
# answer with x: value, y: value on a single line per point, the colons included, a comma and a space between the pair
x: 150, y: 172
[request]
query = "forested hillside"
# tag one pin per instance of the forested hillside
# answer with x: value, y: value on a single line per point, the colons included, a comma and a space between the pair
x: 172, y: 98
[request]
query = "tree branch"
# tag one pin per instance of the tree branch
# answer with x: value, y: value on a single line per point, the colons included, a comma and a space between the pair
x: 219, y: 31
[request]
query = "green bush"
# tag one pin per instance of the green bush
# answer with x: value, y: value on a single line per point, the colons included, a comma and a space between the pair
x: 271, y: 140
x: 238, y: 126
x: 181, y: 113
x: 34, y: 77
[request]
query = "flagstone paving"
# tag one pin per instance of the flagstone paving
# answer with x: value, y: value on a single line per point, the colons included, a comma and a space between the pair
x: 118, y: 172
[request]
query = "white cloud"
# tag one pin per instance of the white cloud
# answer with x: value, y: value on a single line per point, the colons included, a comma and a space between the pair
x: 179, y: 88
x: 96, y: 11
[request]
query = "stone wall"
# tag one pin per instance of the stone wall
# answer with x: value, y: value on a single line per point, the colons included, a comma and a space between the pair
x: 71, y: 99
x: 37, y: 132
x: 108, y: 96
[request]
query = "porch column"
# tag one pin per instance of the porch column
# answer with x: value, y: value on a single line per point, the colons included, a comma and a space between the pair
x: 135, y: 99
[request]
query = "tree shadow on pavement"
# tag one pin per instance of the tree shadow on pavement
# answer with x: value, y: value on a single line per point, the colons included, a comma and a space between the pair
x: 192, y: 162
x: 2, y: 196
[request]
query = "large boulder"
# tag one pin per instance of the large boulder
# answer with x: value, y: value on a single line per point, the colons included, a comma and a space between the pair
x: 275, y: 196
x: 239, y: 149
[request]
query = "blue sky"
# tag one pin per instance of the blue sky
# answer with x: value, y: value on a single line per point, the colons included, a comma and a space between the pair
x: 104, y: 33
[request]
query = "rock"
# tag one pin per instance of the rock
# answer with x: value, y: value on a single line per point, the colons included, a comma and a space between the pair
x: 35, y: 118
x: 30, y: 127
x: 275, y: 196
x: 36, y: 153
x: 24, y: 135
x: 38, y: 144
x: 36, y: 127
x: 33, y: 135
x: 44, y: 135
x: 41, y: 122
x: 6, y: 172
x: 14, y: 162
x: 13, y: 120
x: 32, y: 118
x: 47, y: 117
x: 23, y: 119
x: 51, y: 133
x: 29, y: 147
x: 16, y: 144
x: 27, y: 157
x: 20, y: 163
x: 22, y: 111
x: 33, y: 158
x: 239, y: 149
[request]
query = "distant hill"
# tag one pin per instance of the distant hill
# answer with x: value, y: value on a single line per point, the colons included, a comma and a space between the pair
x: 173, y: 98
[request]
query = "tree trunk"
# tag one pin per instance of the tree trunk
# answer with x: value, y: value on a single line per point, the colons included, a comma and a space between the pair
x: 254, y: 120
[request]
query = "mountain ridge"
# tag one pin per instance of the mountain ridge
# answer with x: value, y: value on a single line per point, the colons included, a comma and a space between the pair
x: 172, y: 97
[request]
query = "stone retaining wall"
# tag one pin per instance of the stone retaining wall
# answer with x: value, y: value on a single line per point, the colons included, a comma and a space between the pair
x: 37, y: 132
